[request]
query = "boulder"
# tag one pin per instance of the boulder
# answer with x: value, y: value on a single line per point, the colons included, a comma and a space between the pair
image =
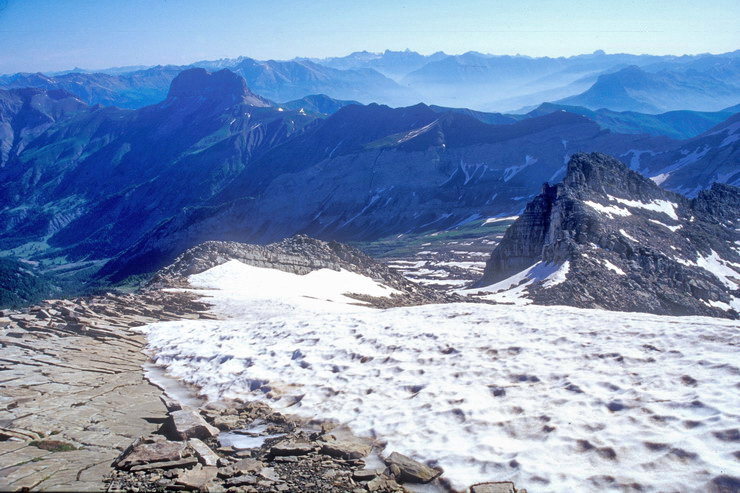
x: 149, y: 450
x: 410, y: 470
x: 206, y: 456
x: 188, y: 423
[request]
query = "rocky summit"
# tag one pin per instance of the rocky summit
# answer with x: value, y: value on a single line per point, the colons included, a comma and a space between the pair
x: 607, y: 237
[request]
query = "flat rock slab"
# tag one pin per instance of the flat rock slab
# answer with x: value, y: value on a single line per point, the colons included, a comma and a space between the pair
x: 190, y: 461
x: 365, y: 474
x: 292, y: 448
x: 242, y: 467
x: 74, y: 375
x: 197, y: 478
x: 346, y: 449
x: 245, y: 480
x: 493, y: 487
x: 410, y: 470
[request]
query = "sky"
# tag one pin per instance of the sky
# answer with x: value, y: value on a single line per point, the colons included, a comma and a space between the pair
x: 50, y: 35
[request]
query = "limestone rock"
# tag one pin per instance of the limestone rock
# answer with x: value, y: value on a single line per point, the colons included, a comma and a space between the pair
x: 493, y: 487
x: 206, y: 456
x: 346, y: 449
x: 187, y: 423
x: 169, y: 403
x: 410, y: 470
x: 382, y: 484
x: 623, y: 243
x: 187, y: 462
x: 364, y: 474
x: 148, y: 450
x: 240, y: 468
x: 288, y: 447
x: 197, y: 478
x: 226, y: 422
x: 245, y: 480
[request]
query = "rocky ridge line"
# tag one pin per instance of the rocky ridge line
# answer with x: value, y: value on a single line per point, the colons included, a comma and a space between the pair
x: 300, y: 255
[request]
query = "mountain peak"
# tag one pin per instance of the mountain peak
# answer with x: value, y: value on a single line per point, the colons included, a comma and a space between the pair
x: 609, y: 238
x: 597, y: 172
x: 223, y: 85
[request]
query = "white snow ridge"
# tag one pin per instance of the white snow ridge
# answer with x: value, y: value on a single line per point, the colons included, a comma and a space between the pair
x: 553, y: 398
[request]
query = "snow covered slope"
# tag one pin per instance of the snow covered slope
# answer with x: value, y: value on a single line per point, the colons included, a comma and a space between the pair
x: 552, y: 398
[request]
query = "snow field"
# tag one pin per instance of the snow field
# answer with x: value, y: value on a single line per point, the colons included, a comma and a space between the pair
x: 552, y: 398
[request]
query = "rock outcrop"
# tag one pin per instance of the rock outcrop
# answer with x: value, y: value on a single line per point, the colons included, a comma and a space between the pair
x: 299, y: 255
x: 606, y: 237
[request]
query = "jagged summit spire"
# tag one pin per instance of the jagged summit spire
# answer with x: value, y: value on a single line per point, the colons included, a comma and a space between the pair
x: 599, y: 172
x: 607, y: 237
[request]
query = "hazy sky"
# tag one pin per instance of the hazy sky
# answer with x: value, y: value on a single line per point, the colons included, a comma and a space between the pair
x: 47, y: 35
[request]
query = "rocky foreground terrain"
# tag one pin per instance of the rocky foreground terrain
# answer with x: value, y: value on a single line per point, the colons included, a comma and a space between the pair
x: 78, y: 413
x: 73, y: 392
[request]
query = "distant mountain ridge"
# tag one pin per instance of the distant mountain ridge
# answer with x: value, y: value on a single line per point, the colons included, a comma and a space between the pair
x: 693, y: 86
x: 683, y: 124
x: 474, y: 80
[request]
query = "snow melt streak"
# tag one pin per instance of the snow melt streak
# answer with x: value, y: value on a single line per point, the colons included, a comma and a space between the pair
x: 553, y: 398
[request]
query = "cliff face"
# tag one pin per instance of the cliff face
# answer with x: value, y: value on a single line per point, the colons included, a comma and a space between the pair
x: 620, y: 242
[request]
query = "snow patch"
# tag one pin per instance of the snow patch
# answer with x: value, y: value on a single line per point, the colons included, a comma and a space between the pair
x: 240, y: 282
x: 672, y: 228
x: 723, y: 270
x: 558, y: 276
x: 608, y: 210
x: 626, y: 235
x: 514, y: 288
x: 635, y: 157
x: 614, y: 268
x: 665, y: 206
x: 658, y: 179
x: 492, y: 220
x: 510, y: 172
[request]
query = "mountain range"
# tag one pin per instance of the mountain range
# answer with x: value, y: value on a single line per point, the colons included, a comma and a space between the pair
x: 618, y: 82
x: 122, y: 192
